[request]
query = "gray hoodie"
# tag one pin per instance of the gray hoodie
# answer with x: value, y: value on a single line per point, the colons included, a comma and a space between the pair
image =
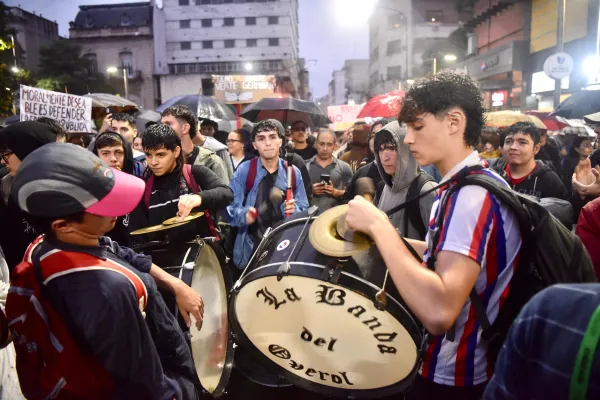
x: 396, y: 187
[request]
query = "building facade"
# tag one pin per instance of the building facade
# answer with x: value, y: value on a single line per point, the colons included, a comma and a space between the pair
x: 32, y: 32
x: 120, y: 36
x: 356, y: 74
x: 402, y: 34
x: 497, y: 51
x: 196, y: 39
x: 337, y: 88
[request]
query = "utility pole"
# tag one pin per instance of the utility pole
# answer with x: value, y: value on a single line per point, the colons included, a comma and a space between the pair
x: 560, y: 33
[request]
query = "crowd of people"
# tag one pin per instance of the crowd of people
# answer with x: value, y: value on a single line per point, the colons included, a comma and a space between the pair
x: 118, y: 339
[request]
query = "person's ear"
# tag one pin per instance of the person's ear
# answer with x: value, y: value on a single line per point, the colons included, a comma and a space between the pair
x: 62, y: 226
x: 254, y: 145
x: 457, y: 121
x: 185, y: 129
x: 536, y: 149
x: 177, y: 151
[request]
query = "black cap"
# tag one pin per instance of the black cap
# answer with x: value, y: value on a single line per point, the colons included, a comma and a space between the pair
x: 61, y: 179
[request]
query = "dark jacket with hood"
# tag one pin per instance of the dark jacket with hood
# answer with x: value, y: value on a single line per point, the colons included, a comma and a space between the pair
x: 120, y: 233
x: 22, y: 139
x: 543, y: 182
x: 396, y: 187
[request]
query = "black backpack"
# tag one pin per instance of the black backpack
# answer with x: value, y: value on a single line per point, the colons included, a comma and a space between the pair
x: 550, y: 254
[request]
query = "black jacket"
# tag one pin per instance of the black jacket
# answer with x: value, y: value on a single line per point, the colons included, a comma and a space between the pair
x: 120, y: 233
x: 543, y: 182
x: 551, y: 155
x: 166, y: 190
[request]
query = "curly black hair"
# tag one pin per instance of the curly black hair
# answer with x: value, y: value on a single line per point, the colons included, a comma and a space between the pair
x: 185, y: 114
x: 526, y: 128
x: 439, y: 93
x: 268, y: 125
x: 161, y: 136
x: 124, y: 117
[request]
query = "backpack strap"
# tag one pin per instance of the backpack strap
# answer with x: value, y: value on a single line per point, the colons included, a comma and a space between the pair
x: 191, y: 182
x: 251, y: 177
x: 580, y: 378
x: 57, y: 263
x: 413, y: 209
x: 148, y: 191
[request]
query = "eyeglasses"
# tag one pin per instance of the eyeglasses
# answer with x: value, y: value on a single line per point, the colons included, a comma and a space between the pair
x: 5, y: 156
x: 299, y: 129
x: 229, y: 141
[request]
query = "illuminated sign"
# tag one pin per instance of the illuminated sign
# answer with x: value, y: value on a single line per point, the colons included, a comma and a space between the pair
x: 499, y: 98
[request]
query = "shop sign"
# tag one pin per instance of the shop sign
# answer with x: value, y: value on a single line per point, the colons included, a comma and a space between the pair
x: 559, y: 66
x: 499, y: 98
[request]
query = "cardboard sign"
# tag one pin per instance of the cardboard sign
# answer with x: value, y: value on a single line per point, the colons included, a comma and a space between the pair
x: 74, y: 113
x: 239, y: 89
x: 343, y: 117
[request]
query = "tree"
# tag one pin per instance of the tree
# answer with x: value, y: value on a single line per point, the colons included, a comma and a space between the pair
x: 62, y: 67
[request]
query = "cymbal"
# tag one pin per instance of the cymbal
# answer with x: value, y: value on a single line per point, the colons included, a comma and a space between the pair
x: 347, y: 233
x: 157, y: 228
x: 192, y: 216
x: 324, y: 237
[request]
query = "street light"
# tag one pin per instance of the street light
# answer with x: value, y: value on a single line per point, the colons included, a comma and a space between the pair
x: 248, y: 67
x: 114, y: 70
x: 447, y: 57
x: 15, y: 69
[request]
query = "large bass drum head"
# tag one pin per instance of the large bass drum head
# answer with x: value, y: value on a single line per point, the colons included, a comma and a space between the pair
x: 325, y: 337
x: 212, y: 347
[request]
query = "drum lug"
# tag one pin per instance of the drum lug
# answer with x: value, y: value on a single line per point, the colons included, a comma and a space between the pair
x: 332, y: 272
x: 284, y: 270
x: 236, y: 286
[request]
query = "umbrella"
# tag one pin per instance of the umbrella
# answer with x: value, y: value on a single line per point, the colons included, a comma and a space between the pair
x: 110, y: 100
x: 385, y: 105
x: 579, y: 105
x: 286, y: 110
x: 552, y: 122
x: 502, y: 119
x: 145, y: 117
x: 205, y: 107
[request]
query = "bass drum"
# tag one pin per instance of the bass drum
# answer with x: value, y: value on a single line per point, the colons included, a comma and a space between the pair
x: 201, y: 265
x: 320, y: 324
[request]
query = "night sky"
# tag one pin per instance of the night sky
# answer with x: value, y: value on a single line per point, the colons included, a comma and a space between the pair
x: 326, y: 38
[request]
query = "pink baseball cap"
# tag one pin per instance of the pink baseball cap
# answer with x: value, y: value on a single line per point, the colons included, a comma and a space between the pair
x: 61, y: 179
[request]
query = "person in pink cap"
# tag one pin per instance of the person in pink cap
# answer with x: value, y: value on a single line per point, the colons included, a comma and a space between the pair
x: 110, y: 332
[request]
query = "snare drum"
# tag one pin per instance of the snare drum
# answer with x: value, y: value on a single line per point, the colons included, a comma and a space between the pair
x: 320, y: 324
x: 201, y: 265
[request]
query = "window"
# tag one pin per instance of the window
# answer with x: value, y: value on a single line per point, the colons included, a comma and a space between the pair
x: 374, y: 54
x: 251, y: 42
x: 250, y: 20
x: 394, y: 47
x: 273, y: 42
x: 207, y: 23
x: 180, y: 68
x: 395, y: 21
x: 274, y: 65
x: 227, y: 1
x: 126, y: 61
x: 202, y: 2
x: 186, y: 45
x: 184, y: 24
x: 434, y: 16
x: 92, y: 63
x: 207, y: 44
x: 229, y: 44
x: 125, y: 20
x: 394, y: 72
x: 228, y: 22
x: 273, y: 20
x: 184, y: 2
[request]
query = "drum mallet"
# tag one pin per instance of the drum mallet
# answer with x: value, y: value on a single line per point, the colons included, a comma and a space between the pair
x: 365, y: 188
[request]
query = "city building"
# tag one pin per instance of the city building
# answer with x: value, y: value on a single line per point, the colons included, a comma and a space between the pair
x: 581, y: 42
x: 497, y: 51
x: 356, y: 74
x: 117, y: 39
x: 404, y: 39
x: 196, y: 39
x: 337, y: 88
x: 32, y: 32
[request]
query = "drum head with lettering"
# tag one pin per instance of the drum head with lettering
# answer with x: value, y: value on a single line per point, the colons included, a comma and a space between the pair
x: 328, y: 338
x: 212, y: 347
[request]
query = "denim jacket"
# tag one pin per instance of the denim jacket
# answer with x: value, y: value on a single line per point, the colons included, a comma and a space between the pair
x: 237, y: 210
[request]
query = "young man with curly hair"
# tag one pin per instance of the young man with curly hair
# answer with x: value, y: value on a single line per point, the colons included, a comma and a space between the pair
x: 478, y: 247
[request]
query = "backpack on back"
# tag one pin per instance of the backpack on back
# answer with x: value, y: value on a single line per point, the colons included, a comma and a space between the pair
x: 413, y: 209
x: 50, y: 362
x: 549, y: 254
x: 251, y: 177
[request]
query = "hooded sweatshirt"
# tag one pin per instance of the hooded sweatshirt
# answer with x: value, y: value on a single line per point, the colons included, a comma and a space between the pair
x: 542, y: 182
x: 22, y: 139
x: 396, y: 187
x: 120, y: 233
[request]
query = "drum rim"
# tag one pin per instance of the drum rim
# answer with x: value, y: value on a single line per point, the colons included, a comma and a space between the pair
x: 415, y: 333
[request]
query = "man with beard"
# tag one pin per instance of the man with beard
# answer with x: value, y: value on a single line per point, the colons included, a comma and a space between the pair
x: 17, y: 141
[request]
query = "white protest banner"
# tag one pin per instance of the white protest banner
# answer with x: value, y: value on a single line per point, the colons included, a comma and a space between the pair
x: 343, y: 117
x: 74, y: 113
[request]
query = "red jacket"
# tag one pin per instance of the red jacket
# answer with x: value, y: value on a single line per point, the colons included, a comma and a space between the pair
x: 588, y: 229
